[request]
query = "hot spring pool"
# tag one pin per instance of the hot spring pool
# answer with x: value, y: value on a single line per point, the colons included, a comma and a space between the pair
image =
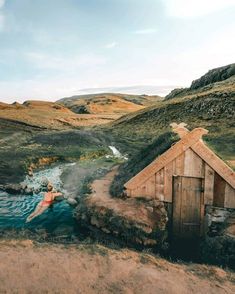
x: 56, y: 220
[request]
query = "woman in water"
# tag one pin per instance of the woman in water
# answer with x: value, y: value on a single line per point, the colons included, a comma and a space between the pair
x: 45, y: 203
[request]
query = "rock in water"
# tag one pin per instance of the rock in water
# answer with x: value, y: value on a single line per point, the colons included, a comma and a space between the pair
x: 71, y: 201
x: 59, y: 198
x: 44, y: 182
x: 28, y: 191
x: 13, y: 188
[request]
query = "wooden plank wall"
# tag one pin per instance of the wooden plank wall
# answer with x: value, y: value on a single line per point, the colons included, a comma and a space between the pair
x: 150, y: 187
x: 209, y: 185
x: 229, y: 201
x: 187, y: 164
x: 193, y: 164
x: 219, y: 191
x: 216, y: 191
x: 160, y: 183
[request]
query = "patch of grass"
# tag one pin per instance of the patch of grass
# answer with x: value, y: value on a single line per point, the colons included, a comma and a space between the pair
x: 140, y: 160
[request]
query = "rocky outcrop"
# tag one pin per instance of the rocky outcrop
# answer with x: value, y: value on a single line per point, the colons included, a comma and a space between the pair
x: 135, y: 222
x: 176, y: 92
x: 214, y: 75
x: 14, y: 188
x: 218, y: 82
x: 218, y: 247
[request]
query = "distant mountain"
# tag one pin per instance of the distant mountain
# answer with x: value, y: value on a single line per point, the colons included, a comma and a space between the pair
x: 108, y: 103
x: 217, y: 81
x: 132, y: 90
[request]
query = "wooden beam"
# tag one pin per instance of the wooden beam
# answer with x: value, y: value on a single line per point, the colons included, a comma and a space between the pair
x: 187, y: 141
x: 209, y: 185
x: 180, y: 129
x: 215, y: 162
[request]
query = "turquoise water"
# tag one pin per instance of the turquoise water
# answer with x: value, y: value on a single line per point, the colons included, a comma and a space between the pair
x: 14, y: 209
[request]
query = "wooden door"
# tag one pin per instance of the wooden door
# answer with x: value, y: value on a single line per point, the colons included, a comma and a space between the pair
x: 187, y: 203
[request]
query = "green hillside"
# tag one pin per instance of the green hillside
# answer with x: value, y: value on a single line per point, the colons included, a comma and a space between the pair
x: 211, y: 107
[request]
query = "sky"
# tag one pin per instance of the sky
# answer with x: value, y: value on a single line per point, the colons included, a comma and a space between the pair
x: 51, y: 49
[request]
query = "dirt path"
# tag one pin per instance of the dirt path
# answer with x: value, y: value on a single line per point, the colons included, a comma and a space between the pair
x: 29, y: 268
x: 128, y: 208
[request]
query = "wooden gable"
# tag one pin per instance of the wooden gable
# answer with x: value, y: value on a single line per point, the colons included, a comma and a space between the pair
x: 166, y: 157
x: 189, y: 157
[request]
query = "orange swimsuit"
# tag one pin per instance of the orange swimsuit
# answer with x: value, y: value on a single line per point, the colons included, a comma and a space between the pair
x: 46, y: 203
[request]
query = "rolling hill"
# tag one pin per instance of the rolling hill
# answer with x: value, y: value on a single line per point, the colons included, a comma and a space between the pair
x: 50, y: 115
x: 77, y: 111
x: 108, y: 103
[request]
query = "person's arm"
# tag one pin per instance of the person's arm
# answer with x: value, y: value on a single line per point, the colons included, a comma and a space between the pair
x: 56, y: 194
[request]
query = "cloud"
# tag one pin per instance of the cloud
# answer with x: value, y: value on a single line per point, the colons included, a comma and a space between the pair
x: 47, y: 61
x: 111, y: 45
x: 2, y: 2
x: 2, y: 17
x: 195, y: 8
x: 2, y: 22
x: 147, y: 31
x: 137, y: 89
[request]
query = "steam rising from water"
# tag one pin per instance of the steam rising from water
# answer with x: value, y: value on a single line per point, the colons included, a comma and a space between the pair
x: 14, y: 209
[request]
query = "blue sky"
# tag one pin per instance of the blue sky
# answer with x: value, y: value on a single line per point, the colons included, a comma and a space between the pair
x: 55, y: 48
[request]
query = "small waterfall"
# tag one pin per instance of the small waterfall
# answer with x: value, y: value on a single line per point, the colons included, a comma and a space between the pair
x: 117, y: 153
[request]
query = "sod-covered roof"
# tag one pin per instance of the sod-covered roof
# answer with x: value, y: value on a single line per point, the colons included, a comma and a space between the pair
x: 148, y: 156
x: 139, y: 161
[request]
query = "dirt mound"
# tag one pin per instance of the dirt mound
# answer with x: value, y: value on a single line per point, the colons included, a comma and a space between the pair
x: 29, y: 268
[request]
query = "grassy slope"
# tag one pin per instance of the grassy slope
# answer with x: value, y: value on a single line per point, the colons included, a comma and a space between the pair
x: 140, y: 160
x: 22, y: 145
x: 209, y: 110
x: 146, y: 133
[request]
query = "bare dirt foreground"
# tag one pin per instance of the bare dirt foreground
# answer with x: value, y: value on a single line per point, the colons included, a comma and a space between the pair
x: 32, y: 268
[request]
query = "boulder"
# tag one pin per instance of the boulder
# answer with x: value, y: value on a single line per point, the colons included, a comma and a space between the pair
x: 59, y: 198
x: 44, y: 182
x: 28, y: 191
x: 37, y: 191
x: 13, y: 188
x: 71, y: 201
x: 23, y: 186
